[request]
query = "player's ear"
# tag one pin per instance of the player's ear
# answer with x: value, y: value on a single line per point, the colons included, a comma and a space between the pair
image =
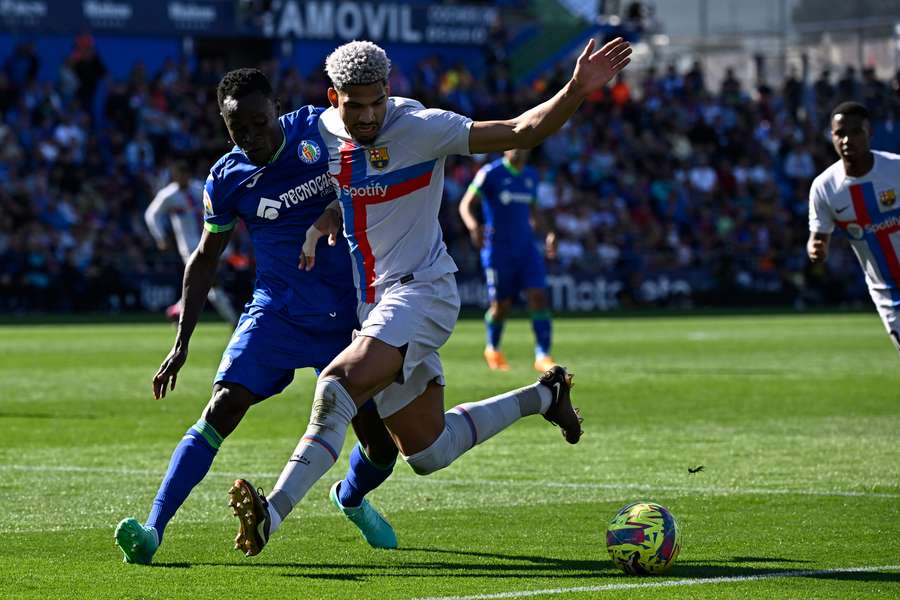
x: 277, y: 104
x: 332, y: 97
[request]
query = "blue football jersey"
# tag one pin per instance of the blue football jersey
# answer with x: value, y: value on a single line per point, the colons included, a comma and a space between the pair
x: 278, y: 202
x: 506, y: 198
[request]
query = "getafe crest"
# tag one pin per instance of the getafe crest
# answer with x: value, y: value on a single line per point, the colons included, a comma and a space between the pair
x: 378, y: 157
x: 207, y: 202
x: 888, y: 197
x: 308, y: 151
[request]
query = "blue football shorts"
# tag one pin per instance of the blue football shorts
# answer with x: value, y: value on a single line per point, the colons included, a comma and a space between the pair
x: 266, y: 347
x: 508, y: 273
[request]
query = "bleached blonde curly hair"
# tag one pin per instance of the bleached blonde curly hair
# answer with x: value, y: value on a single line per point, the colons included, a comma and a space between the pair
x: 357, y: 63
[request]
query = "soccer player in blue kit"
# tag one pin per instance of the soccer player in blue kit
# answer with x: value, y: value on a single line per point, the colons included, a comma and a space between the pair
x: 276, y: 180
x: 506, y: 190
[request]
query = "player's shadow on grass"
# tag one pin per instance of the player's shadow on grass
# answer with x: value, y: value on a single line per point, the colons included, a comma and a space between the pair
x: 711, y: 570
x: 524, y: 565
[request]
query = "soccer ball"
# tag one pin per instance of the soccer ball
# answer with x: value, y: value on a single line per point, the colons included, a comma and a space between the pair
x: 642, y: 539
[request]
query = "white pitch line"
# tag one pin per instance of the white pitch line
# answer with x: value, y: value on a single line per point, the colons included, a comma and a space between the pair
x: 717, y: 490
x: 665, y: 584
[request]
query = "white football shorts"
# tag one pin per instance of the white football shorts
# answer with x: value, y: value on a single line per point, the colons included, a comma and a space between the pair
x: 417, y: 317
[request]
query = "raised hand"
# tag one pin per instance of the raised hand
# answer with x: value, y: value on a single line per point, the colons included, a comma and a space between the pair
x: 593, y: 70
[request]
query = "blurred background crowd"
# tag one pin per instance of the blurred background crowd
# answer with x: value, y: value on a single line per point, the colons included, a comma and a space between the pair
x: 661, y: 173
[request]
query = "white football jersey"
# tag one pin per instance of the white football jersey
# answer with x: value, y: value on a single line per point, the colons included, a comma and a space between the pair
x: 390, y: 192
x: 867, y: 209
x: 184, y: 209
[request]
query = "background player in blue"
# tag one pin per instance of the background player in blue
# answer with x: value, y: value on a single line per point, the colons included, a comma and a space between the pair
x: 505, y: 190
x: 276, y: 180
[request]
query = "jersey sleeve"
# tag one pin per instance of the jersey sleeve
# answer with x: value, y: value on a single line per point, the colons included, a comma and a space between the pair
x: 218, y: 216
x: 155, y: 215
x: 480, y: 181
x: 441, y: 133
x: 821, y: 220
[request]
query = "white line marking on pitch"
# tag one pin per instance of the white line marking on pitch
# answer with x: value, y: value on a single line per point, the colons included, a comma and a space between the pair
x: 719, y: 490
x: 665, y: 584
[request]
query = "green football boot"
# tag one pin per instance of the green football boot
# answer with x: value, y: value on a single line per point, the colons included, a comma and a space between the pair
x: 373, y: 527
x: 138, y: 543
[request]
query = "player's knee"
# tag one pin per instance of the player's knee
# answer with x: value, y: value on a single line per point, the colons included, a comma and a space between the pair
x: 332, y: 402
x: 499, y: 311
x: 226, y: 408
x: 433, y: 458
x: 537, y: 299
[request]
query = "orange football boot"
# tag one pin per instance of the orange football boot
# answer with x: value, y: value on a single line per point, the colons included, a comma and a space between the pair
x: 544, y: 363
x: 495, y: 360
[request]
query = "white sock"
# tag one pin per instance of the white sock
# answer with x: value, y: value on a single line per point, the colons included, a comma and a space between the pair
x: 318, y: 449
x: 546, y: 397
x: 275, y: 519
x: 469, y: 424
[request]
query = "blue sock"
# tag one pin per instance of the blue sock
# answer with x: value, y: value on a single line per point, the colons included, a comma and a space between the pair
x: 543, y: 331
x: 362, y: 477
x: 494, y: 330
x: 188, y: 466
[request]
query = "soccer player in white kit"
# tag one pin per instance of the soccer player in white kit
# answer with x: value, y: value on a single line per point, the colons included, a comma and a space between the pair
x: 858, y: 194
x: 386, y: 156
x: 180, y: 202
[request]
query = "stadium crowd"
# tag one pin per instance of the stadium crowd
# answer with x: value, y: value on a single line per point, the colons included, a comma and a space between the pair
x: 659, y: 173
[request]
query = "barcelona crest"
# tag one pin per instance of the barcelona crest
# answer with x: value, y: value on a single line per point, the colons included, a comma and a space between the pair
x: 378, y: 157
x: 888, y: 197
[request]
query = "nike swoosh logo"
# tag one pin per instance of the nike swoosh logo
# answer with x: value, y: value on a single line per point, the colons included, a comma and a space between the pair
x: 556, y: 387
x: 254, y: 179
x: 261, y: 529
x: 840, y: 210
x: 334, y: 314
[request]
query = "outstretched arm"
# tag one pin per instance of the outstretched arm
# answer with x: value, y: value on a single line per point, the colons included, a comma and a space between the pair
x: 593, y: 70
x: 199, y: 274
x: 155, y: 214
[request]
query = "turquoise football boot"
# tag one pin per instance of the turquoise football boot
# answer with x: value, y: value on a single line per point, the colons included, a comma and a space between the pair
x: 138, y: 543
x: 373, y: 527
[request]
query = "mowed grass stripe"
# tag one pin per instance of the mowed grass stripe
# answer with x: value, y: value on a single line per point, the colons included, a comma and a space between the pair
x: 408, y: 480
x: 668, y: 584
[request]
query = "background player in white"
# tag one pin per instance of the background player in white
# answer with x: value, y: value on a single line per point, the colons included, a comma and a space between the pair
x: 859, y: 194
x: 180, y: 203
x: 386, y: 156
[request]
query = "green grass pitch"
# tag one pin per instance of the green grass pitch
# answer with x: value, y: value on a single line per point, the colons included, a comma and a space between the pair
x: 796, y: 420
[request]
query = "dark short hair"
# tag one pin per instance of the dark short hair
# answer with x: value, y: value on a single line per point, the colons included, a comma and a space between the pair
x: 850, y: 108
x: 243, y: 82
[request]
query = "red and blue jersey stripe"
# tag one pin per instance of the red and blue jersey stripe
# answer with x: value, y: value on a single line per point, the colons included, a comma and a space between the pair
x: 395, y: 184
x: 865, y: 204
